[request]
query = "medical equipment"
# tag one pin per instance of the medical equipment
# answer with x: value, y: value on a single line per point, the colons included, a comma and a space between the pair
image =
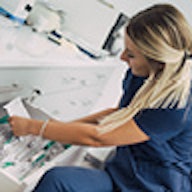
x: 79, y: 25
x: 42, y: 18
x: 20, y: 156
x: 4, y: 119
x: 17, y: 8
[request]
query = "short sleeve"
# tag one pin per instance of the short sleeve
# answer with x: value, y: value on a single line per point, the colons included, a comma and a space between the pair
x: 161, y: 124
x: 131, y: 84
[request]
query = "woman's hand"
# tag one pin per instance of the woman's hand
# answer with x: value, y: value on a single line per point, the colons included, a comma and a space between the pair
x: 20, y: 125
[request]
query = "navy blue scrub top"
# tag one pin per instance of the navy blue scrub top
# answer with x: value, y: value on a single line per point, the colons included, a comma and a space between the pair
x: 164, y: 163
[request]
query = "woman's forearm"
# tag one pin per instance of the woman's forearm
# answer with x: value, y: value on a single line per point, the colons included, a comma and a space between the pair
x: 71, y: 132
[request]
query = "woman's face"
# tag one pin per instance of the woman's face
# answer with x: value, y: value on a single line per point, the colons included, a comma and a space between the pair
x: 137, y: 62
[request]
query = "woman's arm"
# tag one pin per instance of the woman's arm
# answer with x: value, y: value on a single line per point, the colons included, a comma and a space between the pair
x: 79, y: 133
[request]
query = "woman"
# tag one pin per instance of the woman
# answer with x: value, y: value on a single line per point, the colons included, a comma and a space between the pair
x: 152, y: 127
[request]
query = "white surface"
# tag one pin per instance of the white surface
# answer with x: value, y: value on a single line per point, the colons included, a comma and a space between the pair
x: 132, y: 7
x: 73, y: 91
x: 11, y: 184
x: 16, y: 107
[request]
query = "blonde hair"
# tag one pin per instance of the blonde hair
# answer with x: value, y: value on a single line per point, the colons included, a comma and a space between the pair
x: 163, y: 35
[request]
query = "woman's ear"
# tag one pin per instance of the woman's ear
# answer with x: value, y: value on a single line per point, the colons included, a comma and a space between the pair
x: 157, y: 65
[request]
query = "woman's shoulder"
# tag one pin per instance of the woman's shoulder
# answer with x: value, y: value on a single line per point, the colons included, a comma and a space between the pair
x: 164, y: 123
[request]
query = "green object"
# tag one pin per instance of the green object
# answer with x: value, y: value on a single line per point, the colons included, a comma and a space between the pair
x: 49, y: 145
x: 67, y: 146
x: 42, y: 156
x: 9, y: 140
x: 4, y: 119
x: 7, y: 164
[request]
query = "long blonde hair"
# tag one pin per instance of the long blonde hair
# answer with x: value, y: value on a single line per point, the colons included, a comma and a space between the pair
x: 163, y: 35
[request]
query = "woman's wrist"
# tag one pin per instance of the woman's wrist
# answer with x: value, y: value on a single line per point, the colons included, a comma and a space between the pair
x: 35, y: 126
x: 43, y: 127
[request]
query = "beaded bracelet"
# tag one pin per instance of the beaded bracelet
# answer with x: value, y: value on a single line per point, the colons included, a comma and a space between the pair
x: 42, y: 130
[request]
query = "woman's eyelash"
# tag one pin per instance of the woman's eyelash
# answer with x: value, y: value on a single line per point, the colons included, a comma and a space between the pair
x: 130, y: 56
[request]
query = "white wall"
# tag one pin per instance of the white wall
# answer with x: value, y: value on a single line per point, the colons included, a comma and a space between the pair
x: 131, y: 7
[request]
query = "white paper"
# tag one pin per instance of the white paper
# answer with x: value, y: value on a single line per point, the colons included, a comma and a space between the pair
x: 16, y: 107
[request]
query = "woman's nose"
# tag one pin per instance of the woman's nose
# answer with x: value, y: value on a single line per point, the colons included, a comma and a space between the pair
x: 123, y: 57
